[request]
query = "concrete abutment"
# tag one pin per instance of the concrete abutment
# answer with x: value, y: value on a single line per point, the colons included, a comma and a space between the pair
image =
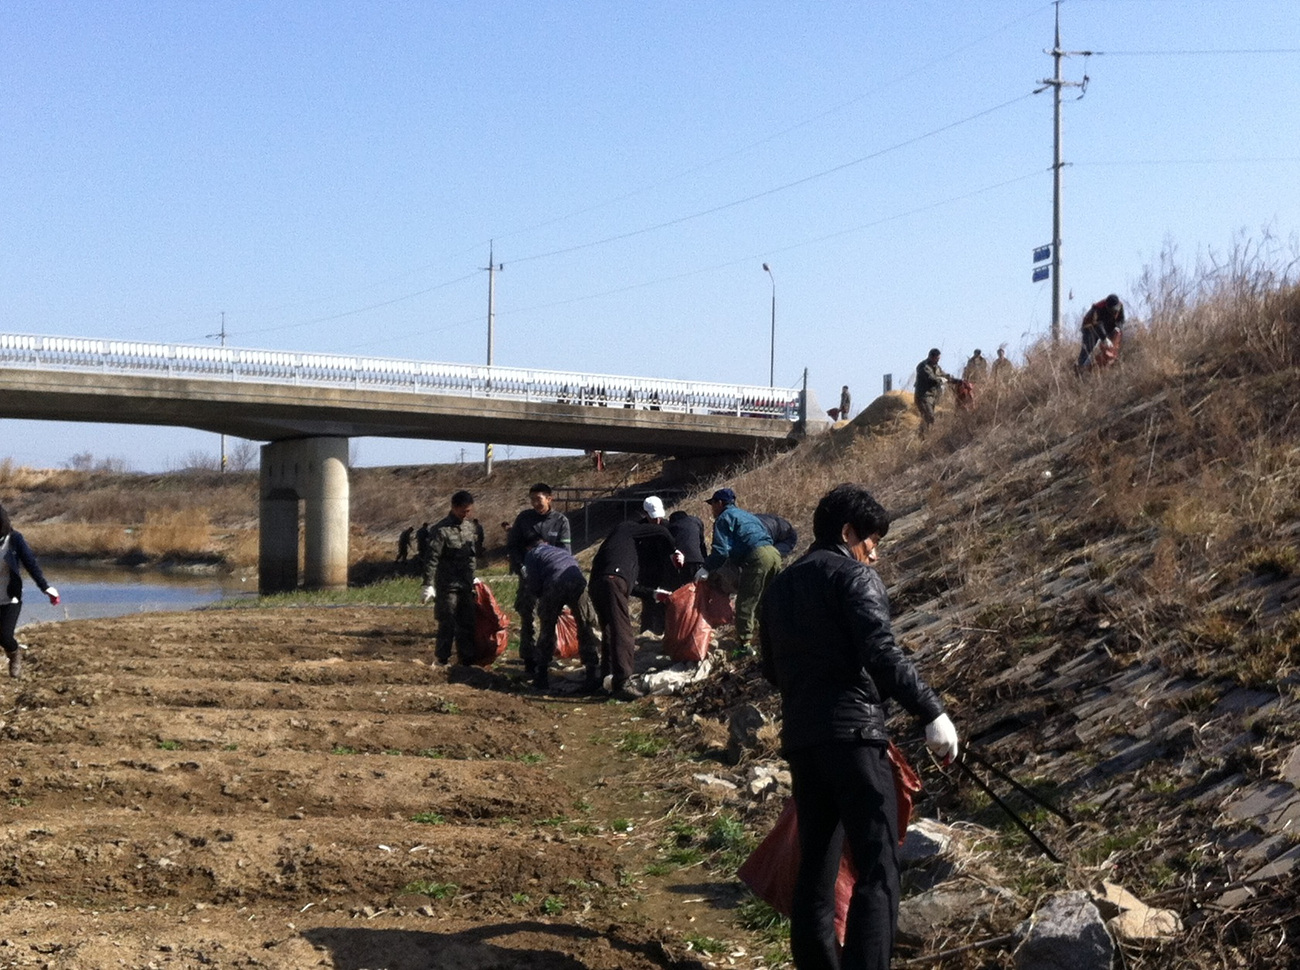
x: 313, y: 471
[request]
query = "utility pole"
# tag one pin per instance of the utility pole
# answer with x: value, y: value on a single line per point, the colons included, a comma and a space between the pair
x: 1056, y: 83
x: 491, y: 268
x: 222, y: 336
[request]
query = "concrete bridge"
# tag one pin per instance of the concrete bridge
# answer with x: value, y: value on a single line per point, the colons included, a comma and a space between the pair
x: 307, y: 406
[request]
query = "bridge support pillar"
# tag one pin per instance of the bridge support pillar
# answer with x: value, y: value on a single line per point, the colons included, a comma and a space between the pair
x: 315, y: 472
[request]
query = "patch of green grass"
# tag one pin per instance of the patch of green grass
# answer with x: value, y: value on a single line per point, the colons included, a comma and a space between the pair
x: 443, y: 706
x: 583, y: 828
x: 432, y: 889
x: 583, y: 806
x: 685, y: 856
x: 641, y: 743
x: 552, y: 905
x: 532, y: 758
x: 758, y: 916
x: 395, y: 752
x: 706, y: 945
x: 428, y: 818
x: 621, y: 825
x: 431, y: 753
x: 659, y: 869
x: 169, y: 745
x: 343, y: 749
x: 521, y: 899
x: 17, y: 801
x: 230, y: 747
x: 552, y: 820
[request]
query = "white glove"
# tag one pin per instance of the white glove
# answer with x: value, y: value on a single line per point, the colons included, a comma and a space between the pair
x: 701, y: 574
x: 679, y: 558
x: 53, y: 594
x: 426, y: 593
x: 941, y: 739
x: 662, y: 596
x: 477, y: 581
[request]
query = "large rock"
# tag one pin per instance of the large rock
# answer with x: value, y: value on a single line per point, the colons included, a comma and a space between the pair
x: 1065, y: 933
x: 742, y: 729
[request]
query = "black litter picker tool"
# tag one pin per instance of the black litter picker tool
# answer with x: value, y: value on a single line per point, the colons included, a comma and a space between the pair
x: 972, y: 754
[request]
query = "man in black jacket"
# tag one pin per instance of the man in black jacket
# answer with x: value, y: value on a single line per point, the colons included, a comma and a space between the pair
x: 784, y: 535
x: 828, y: 646
x: 616, y: 575
x: 552, y: 526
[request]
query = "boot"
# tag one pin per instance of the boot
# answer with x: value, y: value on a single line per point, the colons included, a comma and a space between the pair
x: 15, y: 663
x: 592, y: 682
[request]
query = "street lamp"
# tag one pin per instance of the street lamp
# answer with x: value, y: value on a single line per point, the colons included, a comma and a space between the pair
x: 771, y: 367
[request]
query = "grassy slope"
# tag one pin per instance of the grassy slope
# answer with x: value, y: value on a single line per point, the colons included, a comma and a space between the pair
x: 1102, y: 575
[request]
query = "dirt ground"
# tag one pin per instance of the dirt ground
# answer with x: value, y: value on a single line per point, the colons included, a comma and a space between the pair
x: 301, y: 787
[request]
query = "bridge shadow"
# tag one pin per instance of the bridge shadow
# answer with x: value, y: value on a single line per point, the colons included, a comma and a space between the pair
x: 497, y: 946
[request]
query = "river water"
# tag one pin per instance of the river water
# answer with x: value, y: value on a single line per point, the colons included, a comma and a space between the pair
x: 90, y: 593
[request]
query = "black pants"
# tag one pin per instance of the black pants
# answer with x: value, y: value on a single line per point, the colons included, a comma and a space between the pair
x: 845, y: 791
x: 617, y: 643
x: 573, y: 594
x: 8, y: 623
x: 526, y: 607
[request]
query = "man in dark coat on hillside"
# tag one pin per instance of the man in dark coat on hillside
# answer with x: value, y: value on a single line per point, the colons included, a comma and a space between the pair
x: 616, y: 575
x: 784, y: 535
x: 828, y: 646
x: 930, y: 379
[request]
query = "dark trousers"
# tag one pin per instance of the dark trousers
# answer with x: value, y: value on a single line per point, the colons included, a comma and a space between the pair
x: 526, y: 607
x: 8, y: 623
x: 845, y: 791
x: 573, y: 594
x: 617, y: 645
x: 454, y: 609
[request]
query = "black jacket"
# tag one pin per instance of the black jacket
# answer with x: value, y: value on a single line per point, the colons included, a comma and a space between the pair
x: 828, y: 646
x: 630, y: 547
x: 784, y: 535
x: 688, y: 533
x: 553, y: 527
x: 18, y: 551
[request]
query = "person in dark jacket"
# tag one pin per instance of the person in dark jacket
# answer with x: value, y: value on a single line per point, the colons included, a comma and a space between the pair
x: 616, y: 575
x: 15, y: 552
x: 741, y: 540
x: 555, y: 580
x: 552, y: 525
x: 828, y: 646
x: 449, y: 578
x: 930, y: 379
x: 784, y: 535
x: 1103, y: 322
x: 688, y: 534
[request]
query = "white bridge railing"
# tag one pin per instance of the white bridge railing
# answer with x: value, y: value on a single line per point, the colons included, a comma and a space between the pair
x: 388, y: 374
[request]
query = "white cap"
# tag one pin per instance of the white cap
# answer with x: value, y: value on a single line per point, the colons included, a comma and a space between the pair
x: 653, y: 507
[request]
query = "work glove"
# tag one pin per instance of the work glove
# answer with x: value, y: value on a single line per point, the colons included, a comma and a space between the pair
x: 53, y: 594
x: 477, y: 581
x: 701, y: 574
x: 662, y: 596
x: 941, y: 739
x: 426, y: 593
x: 679, y: 558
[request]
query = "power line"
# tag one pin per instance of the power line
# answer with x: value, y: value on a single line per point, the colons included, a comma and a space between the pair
x: 1193, y: 53
x: 772, y: 191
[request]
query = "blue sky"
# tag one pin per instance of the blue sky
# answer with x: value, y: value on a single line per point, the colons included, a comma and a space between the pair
x: 330, y: 174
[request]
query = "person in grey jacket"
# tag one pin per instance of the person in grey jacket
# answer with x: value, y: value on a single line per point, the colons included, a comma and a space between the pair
x: 15, y: 552
x: 828, y: 646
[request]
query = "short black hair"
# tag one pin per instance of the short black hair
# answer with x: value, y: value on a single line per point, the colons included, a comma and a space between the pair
x: 461, y: 499
x: 5, y: 525
x: 541, y: 488
x: 848, y: 504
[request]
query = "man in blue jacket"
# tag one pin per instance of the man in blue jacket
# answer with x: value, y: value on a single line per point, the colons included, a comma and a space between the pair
x: 555, y: 580
x: 740, y: 538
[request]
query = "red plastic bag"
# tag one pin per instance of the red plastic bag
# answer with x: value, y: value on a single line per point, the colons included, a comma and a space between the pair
x: 714, y: 605
x: 566, y: 635
x: 491, y: 627
x: 771, y: 869
x: 686, y: 632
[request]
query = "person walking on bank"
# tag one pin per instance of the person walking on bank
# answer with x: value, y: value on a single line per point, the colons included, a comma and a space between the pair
x: 930, y: 379
x: 404, y: 543
x: 1002, y: 367
x: 740, y: 538
x: 615, y: 576
x: 555, y: 581
x: 828, y: 647
x: 449, y: 579
x: 15, y: 552
x: 977, y: 368
x: 552, y: 527
x: 846, y: 402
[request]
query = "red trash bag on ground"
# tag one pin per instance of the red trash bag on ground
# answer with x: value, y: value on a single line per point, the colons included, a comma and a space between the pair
x: 566, y: 635
x: 491, y: 627
x: 714, y: 605
x: 771, y: 869
x: 686, y: 632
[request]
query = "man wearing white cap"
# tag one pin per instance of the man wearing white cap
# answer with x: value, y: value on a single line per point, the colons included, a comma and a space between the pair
x: 652, y: 612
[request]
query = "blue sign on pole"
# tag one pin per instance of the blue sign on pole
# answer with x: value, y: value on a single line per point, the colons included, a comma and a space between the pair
x: 1042, y: 253
x: 1041, y: 273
